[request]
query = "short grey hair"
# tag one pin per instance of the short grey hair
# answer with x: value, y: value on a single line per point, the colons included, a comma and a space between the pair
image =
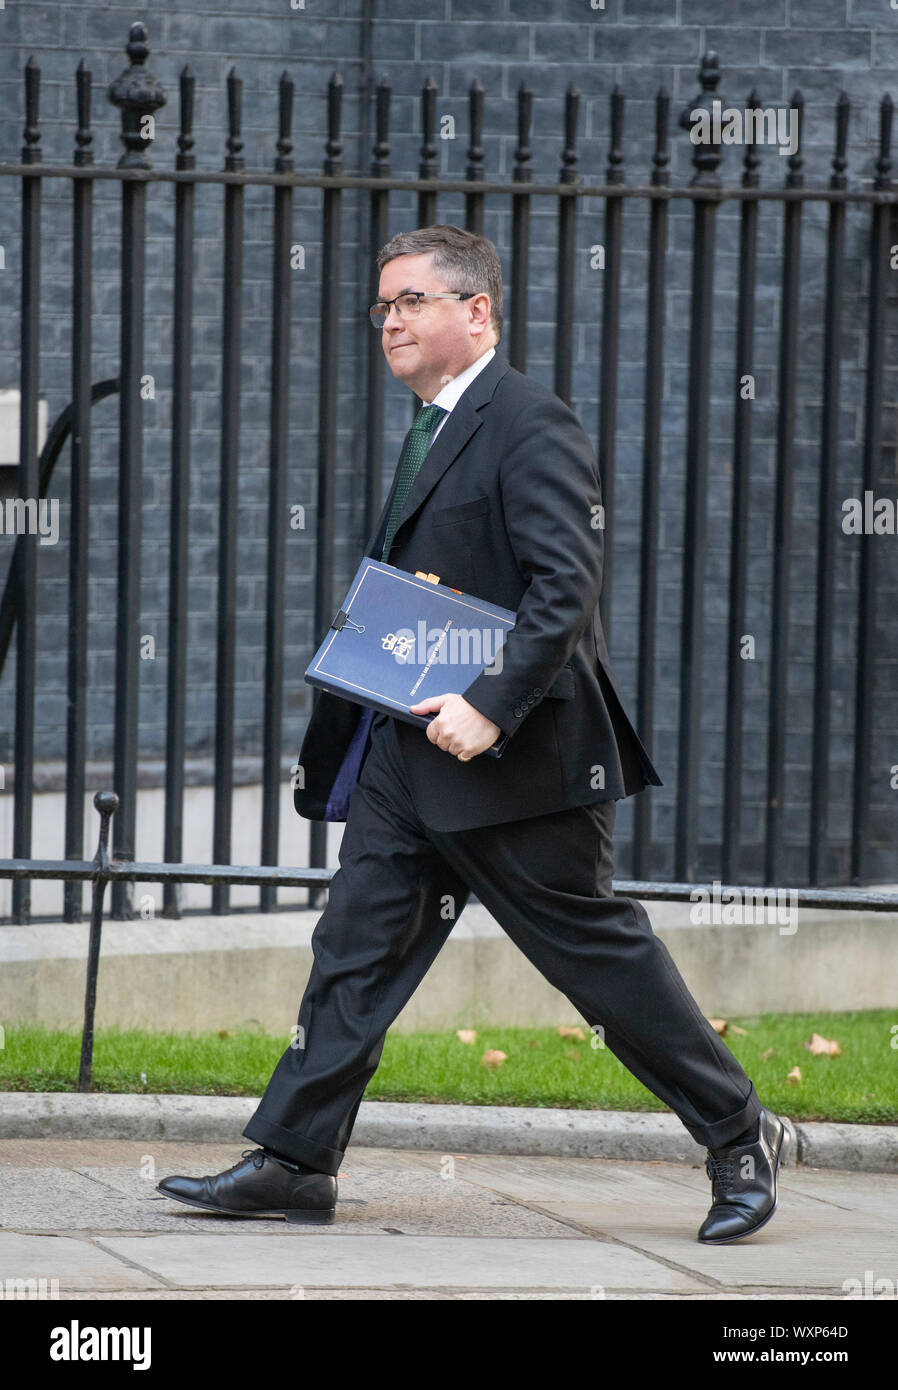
x: 466, y: 262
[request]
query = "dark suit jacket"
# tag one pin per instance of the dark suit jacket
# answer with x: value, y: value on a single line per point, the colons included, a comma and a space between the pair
x: 504, y: 507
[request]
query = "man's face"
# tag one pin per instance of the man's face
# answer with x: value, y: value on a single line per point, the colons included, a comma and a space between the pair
x: 447, y: 336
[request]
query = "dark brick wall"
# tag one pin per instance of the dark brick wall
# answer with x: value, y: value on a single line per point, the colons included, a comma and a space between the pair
x: 818, y: 48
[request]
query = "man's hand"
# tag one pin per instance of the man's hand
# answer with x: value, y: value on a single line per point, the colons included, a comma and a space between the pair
x: 459, y: 728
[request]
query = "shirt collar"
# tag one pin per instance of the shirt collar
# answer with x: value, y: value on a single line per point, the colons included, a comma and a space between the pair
x: 448, y: 396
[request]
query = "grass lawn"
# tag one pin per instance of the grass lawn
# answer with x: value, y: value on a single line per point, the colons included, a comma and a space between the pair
x: 542, y: 1068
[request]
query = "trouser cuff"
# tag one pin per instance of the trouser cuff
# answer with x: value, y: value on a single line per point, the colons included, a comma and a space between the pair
x: 719, y: 1133
x: 293, y: 1146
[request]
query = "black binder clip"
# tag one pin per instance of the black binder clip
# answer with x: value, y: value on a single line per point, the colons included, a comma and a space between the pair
x: 343, y: 619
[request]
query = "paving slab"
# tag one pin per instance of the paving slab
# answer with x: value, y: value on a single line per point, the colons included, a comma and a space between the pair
x: 73, y: 1263
x: 374, y: 1194
x: 877, y: 1199
x: 400, y: 1261
x: 809, y: 1245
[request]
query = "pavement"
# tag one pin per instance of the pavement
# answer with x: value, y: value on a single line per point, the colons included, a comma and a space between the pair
x: 78, y: 1206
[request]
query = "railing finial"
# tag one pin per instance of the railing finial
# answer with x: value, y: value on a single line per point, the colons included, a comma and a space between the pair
x: 138, y: 93
x: 698, y: 119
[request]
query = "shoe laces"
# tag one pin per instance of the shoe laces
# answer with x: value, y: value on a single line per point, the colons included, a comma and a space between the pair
x: 720, y: 1171
x: 257, y: 1155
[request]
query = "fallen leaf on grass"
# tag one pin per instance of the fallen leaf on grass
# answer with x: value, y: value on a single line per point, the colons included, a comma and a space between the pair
x: 577, y: 1033
x: 743, y: 1032
x: 719, y: 1025
x: 768, y: 1052
x: 466, y: 1035
x: 494, y: 1058
x: 827, y: 1047
x: 794, y: 1077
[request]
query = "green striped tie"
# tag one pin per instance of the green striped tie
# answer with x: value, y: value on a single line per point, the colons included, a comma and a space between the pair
x: 414, y: 452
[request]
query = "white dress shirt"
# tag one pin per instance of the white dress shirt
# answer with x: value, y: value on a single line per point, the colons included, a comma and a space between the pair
x: 448, y: 396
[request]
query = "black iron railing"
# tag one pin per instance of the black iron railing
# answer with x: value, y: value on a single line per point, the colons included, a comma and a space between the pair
x: 138, y: 95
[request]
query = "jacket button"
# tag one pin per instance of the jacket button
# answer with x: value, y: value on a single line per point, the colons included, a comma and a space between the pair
x: 518, y: 712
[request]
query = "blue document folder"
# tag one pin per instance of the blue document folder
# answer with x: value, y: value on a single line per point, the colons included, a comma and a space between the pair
x: 398, y: 639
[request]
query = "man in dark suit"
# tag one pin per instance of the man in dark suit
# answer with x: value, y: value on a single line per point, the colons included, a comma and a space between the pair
x: 498, y: 493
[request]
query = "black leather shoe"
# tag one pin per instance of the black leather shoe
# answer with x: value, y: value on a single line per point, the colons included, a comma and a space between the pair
x: 258, y: 1186
x: 743, y: 1183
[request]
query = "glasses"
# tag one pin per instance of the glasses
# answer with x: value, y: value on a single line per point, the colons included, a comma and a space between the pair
x: 408, y: 305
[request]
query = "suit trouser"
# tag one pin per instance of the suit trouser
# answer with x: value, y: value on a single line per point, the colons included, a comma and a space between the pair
x: 392, y: 903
